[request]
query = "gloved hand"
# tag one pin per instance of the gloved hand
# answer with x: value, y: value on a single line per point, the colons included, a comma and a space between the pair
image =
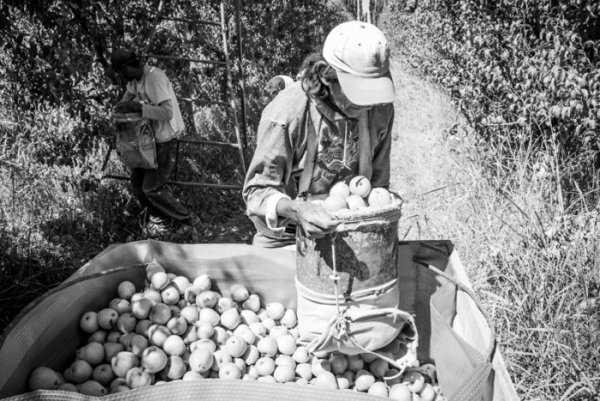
x: 128, y: 106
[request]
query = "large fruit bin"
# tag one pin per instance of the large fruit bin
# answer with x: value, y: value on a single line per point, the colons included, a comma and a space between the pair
x: 453, y: 332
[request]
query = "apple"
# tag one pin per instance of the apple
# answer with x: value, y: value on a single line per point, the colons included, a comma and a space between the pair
x: 399, y: 392
x: 343, y: 382
x: 107, y: 318
x: 378, y: 367
x: 157, y: 334
x: 392, y: 377
x: 289, y: 319
x: 125, y: 289
x: 249, y: 316
x: 414, y: 380
x: 230, y: 370
x: 93, y: 353
x: 177, y: 325
x: 339, y: 363
x: 333, y: 203
x: 251, y: 355
x: 93, y: 388
x: 265, y: 366
x: 239, y: 292
x: 160, y: 313
x: 240, y: 363
x: 368, y: 357
x: 175, y: 368
x: 258, y: 328
x: 141, y: 308
x: 379, y: 197
x: 220, y: 357
x: 191, y: 375
x: 278, y: 331
x: 326, y: 380
x: 44, y: 378
x: 355, y: 202
x: 220, y: 336
x: 103, y: 374
x: 174, y: 345
x: 98, y: 337
x: 134, y: 298
x: 224, y: 303
x: 428, y: 393
x: 230, y: 318
x: 136, y: 378
x: 209, y: 315
x: 181, y: 283
x: 301, y: 355
x: 191, y: 294
x: 152, y: 268
x: 284, y: 373
x: 120, y: 305
x: 201, y: 360
x: 285, y: 360
x: 252, y: 303
x: 112, y: 349
x: 170, y: 295
x: 304, y: 370
x: 378, y: 389
x: 190, y: 335
x: 126, y: 323
x: 429, y: 370
x: 363, y: 380
x: 89, y: 322
x: 204, y: 329
x: 118, y: 385
x: 340, y: 189
x: 267, y: 346
x: 269, y: 323
x: 153, y: 295
x: 79, y: 371
x: 207, y: 299
x: 266, y: 379
x: 235, y: 346
x: 203, y: 282
x: 190, y: 313
x: 286, y: 344
x: 153, y: 359
x: 138, y: 344
x: 275, y: 310
x: 320, y: 366
x: 360, y: 185
x: 355, y: 363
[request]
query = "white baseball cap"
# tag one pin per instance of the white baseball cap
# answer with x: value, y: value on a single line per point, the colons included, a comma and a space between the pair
x: 359, y: 53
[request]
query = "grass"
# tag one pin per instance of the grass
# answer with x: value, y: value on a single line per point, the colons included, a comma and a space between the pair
x: 530, y: 251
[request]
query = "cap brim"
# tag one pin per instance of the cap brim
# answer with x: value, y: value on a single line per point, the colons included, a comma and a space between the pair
x: 367, y: 91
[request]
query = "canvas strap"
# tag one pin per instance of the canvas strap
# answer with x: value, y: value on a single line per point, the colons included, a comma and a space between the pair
x: 311, y: 151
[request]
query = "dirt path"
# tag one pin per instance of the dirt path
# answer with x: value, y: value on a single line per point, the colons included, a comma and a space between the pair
x: 430, y: 166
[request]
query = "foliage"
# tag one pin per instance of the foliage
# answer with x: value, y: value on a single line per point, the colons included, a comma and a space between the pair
x: 56, y: 95
x: 525, y: 75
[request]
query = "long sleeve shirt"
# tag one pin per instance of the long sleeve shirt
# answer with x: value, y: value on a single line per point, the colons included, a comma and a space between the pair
x: 159, y: 103
x: 345, y: 147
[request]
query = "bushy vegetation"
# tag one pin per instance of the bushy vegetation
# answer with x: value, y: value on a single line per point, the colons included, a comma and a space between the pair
x: 56, y: 95
x: 525, y: 75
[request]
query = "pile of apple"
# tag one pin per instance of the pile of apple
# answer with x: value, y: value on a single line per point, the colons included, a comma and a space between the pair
x: 356, y: 194
x: 175, y: 329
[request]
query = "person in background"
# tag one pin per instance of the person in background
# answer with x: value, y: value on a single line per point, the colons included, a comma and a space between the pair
x: 149, y: 92
x: 334, y: 123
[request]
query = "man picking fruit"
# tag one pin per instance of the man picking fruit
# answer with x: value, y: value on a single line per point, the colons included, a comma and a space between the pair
x: 335, y: 123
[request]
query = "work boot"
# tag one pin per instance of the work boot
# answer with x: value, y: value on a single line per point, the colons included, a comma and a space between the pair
x: 155, y: 227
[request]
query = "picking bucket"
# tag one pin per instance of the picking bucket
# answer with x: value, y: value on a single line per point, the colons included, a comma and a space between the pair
x: 347, y: 286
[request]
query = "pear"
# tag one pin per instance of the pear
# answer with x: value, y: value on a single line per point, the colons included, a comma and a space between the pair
x: 137, y: 377
x: 154, y: 360
x: 326, y: 380
x: 107, y: 318
x: 239, y: 292
x: 203, y: 282
x: 92, y: 387
x: 123, y: 362
x: 103, y: 374
x: 230, y: 319
x: 79, y: 371
x: 152, y: 268
x: 68, y: 387
x: 89, y: 322
x: 118, y: 385
x: 93, y: 353
x: 275, y: 310
x: 44, y: 378
x: 252, y: 303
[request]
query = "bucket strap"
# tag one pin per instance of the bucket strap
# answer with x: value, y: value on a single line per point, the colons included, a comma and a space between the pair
x: 311, y: 152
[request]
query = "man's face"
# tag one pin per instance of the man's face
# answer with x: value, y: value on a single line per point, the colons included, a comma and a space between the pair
x: 348, y: 108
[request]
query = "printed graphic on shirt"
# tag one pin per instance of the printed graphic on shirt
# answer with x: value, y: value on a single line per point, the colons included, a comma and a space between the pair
x: 330, y: 165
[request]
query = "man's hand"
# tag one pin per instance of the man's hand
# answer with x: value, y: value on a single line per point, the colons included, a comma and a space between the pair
x: 128, y: 106
x: 315, y: 220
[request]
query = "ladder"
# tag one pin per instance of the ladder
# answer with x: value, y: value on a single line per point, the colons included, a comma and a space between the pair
x: 239, y: 123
